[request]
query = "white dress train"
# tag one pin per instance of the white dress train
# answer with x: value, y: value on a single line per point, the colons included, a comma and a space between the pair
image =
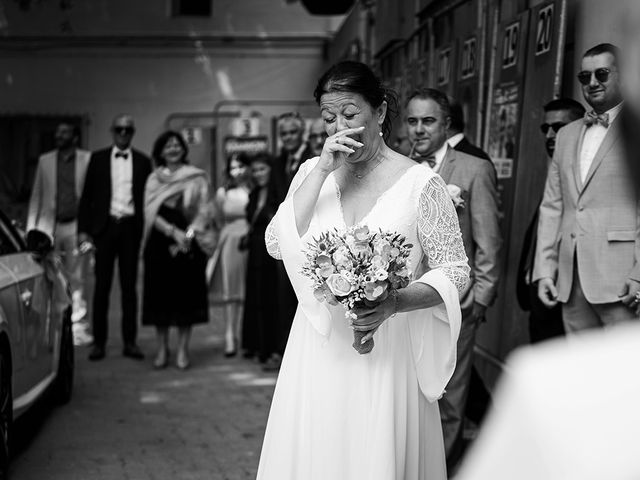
x: 338, y: 415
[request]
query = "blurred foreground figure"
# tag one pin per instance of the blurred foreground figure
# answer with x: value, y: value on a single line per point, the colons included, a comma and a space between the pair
x: 53, y: 209
x: 566, y: 411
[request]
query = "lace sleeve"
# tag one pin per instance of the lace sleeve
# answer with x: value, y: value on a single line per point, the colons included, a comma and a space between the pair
x: 439, y: 233
x: 270, y: 237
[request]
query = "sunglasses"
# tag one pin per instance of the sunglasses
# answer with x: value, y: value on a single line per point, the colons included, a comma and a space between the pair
x: 124, y: 130
x: 601, y: 74
x: 553, y: 126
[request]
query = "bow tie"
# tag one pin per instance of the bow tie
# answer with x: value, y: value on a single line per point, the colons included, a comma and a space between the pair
x: 122, y: 154
x: 431, y: 160
x: 591, y: 118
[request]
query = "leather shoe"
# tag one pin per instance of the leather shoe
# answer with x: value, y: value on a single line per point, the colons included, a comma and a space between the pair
x: 132, y: 351
x: 97, y: 353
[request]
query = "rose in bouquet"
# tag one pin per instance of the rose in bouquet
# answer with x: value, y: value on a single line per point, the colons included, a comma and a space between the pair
x: 357, y: 267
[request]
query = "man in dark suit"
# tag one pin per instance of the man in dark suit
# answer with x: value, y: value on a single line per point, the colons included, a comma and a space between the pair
x: 456, y: 136
x: 544, y: 323
x: 294, y: 150
x: 472, y: 185
x: 110, y: 217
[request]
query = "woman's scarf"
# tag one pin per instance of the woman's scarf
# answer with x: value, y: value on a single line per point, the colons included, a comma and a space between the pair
x: 193, y: 183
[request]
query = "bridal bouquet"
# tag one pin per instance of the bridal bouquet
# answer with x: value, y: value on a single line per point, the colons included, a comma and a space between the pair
x: 357, y: 267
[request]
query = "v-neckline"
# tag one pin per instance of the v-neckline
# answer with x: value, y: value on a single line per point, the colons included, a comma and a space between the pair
x: 338, y: 196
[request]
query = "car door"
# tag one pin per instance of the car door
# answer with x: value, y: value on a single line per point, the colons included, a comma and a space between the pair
x: 34, y: 302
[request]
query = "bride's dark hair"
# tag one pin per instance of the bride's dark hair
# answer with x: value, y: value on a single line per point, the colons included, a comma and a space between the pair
x: 356, y: 77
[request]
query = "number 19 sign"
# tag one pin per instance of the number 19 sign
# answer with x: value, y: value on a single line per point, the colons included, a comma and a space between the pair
x: 510, y: 45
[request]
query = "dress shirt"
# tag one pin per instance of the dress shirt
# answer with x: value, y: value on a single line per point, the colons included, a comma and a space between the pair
x: 121, y: 184
x: 439, y: 156
x: 455, y: 139
x: 66, y: 196
x: 593, y: 137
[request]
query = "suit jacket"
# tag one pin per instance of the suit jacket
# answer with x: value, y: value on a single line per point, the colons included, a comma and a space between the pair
x: 281, y: 164
x: 43, y: 201
x: 595, y: 222
x: 95, y: 203
x: 465, y: 146
x: 479, y: 222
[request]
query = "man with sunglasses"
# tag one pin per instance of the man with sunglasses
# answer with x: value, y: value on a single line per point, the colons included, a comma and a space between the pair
x: 588, y: 234
x: 544, y: 323
x: 110, y: 218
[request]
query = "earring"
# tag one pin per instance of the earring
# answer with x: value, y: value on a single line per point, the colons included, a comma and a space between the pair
x: 380, y: 133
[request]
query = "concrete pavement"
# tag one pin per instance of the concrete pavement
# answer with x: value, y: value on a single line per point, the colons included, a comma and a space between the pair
x: 128, y: 421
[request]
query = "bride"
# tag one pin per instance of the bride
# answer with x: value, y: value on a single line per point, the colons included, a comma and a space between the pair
x: 338, y: 415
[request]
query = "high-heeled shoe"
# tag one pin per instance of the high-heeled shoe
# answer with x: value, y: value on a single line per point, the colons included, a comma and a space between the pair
x: 182, y: 361
x: 161, y: 361
x: 231, y: 353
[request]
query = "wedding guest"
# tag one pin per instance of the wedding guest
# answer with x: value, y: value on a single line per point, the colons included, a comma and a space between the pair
x: 110, y: 218
x: 294, y: 149
x: 294, y: 153
x: 317, y: 136
x: 262, y: 314
x: 544, y: 323
x: 176, y: 243
x: 472, y: 183
x: 588, y: 231
x: 336, y: 413
x: 228, y: 265
x: 53, y: 209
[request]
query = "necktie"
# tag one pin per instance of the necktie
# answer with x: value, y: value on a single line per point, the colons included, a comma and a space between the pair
x: 592, y: 118
x: 121, y: 154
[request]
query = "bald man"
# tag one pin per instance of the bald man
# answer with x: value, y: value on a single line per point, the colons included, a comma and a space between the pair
x: 110, y: 218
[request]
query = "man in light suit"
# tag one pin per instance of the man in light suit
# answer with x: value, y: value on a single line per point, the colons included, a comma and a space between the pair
x: 471, y: 182
x: 110, y: 216
x: 589, y: 233
x: 53, y: 209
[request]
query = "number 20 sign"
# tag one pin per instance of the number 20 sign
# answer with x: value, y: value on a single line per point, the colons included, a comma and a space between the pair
x: 544, y: 30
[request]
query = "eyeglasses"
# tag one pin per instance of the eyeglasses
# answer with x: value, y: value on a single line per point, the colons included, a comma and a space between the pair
x: 124, y: 130
x: 601, y: 74
x: 555, y: 126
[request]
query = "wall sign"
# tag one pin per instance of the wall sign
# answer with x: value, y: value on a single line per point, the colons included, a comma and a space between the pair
x: 444, y: 66
x: 510, y: 45
x: 544, y: 29
x: 192, y: 135
x: 469, y: 56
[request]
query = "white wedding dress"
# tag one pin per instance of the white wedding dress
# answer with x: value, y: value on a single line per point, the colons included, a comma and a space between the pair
x: 339, y: 415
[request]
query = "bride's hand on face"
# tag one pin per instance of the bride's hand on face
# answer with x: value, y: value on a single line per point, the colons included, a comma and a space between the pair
x: 337, y: 147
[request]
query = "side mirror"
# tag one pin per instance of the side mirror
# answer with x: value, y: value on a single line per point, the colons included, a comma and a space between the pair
x: 39, y: 242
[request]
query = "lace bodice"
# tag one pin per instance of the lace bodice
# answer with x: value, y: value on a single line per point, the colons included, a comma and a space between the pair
x: 417, y: 206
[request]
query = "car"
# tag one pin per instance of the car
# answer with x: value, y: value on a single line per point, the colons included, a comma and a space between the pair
x: 36, y: 341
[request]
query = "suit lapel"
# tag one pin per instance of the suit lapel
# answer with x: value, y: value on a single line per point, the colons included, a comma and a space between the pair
x: 447, y: 167
x: 576, y: 158
x: 607, y: 143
